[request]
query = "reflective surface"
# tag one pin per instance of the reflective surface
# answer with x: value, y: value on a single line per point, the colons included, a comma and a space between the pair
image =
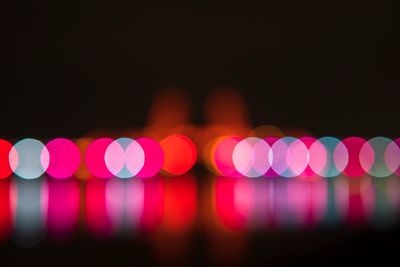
x: 218, y: 218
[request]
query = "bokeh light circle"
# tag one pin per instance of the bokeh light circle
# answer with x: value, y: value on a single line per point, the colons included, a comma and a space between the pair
x: 331, y: 151
x: 279, y: 152
x: 392, y: 156
x: 271, y: 140
x: 354, y: 167
x: 154, y: 157
x: 64, y: 158
x: 179, y: 154
x: 251, y: 157
x: 5, y: 168
x: 221, y: 156
x: 374, y: 162
x: 94, y: 158
x: 297, y: 157
x: 124, y: 157
x: 29, y: 158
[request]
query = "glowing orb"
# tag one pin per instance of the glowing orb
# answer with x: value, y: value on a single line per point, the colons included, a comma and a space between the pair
x: 354, y: 167
x: 154, y: 157
x: 179, y: 154
x: 124, y: 157
x: 374, y: 161
x: 251, y: 157
x: 271, y: 172
x: 392, y: 156
x: 221, y: 155
x: 5, y: 168
x: 29, y: 158
x: 94, y: 158
x: 64, y: 158
x: 333, y: 156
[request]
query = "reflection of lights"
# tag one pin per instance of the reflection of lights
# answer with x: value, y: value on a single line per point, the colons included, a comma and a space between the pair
x: 5, y: 168
x: 29, y: 211
x: 5, y: 209
x: 95, y: 160
x: 124, y: 204
x: 251, y: 157
x: 154, y: 157
x: 64, y: 158
x: 225, y: 204
x: 29, y: 158
x: 153, y: 201
x: 124, y: 157
x: 97, y: 219
x: 179, y: 154
x: 63, y: 207
x: 180, y: 198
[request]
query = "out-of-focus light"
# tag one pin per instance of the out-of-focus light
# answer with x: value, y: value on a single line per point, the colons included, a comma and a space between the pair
x: 318, y: 157
x: 97, y: 219
x: 221, y: 156
x: 30, y: 205
x: 180, y: 197
x: 64, y: 158
x: 373, y: 153
x: 331, y: 151
x: 124, y: 203
x: 82, y: 172
x: 251, y: 157
x: 315, y: 156
x: 392, y: 157
x: 5, y: 168
x: 5, y: 209
x: 297, y: 156
x: 154, y: 157
x: 354, y: 167
x: 225, y: 204
x: 124, y: 157
x: 271, y: 172
x: 63, y: 208
x: 29, y: 158
x: 290, y: 156
x: 279, y: 150
x: 153, y: 203
x: 95, y: 160
x: 179, y: 154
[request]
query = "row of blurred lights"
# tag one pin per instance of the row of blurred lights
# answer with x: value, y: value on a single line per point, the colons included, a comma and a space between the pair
x: 103, y: 157
x: 119, y: 208
x: 305, y: 157
x: 233, y: 156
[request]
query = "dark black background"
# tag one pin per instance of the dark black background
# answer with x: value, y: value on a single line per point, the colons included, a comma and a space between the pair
x: 327, y: 66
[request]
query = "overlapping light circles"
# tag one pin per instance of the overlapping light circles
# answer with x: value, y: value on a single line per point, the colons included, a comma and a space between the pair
x: 251, y: 157
x: 5, y: 168
x: 311, y: 157
x: 289, y: 157
x: 124, y: 157
x: 328, y: 157
x: 383, y: 160
x: 305, y: 157
x: 29, y: 158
